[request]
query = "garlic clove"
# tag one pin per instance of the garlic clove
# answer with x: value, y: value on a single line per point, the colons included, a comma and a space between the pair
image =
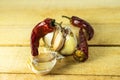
x: 48, y: 38
x: 70, y: 44
x: 55, y: 40
x: 58, y: 42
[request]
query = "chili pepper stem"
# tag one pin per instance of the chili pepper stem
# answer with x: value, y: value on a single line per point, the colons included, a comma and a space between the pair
x: 66, y: 17
x: 60, y: 24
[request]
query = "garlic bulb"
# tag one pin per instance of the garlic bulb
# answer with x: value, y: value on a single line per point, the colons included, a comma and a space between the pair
x: 62, y: 40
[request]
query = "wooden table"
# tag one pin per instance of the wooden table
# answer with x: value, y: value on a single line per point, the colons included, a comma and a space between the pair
x: 17, y: 19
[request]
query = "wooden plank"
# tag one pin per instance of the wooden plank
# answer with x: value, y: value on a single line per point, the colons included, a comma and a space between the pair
x: 27, y: 16
x: 105, y: 34
x: 54, y: 77
x: 102, y: 61
x: 61, y: 3
x: 20, y: 22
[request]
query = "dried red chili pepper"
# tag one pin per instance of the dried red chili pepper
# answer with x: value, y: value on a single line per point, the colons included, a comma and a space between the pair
x: 81, y: 54
x: 78, y: 22
x: 39, y: 31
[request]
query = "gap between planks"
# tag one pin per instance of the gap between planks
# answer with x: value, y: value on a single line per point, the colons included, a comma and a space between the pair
x: 59, y: 74
x: 26, y: 45
x: 54, y: 77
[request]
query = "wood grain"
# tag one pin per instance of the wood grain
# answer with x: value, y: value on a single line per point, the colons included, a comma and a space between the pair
x: 20, y: 22
x: 31, y: 16
x: 54, y: 77
x: 17, y: 19
x: 102, y: 61
x: 105, y: 34
x: 60, y: 4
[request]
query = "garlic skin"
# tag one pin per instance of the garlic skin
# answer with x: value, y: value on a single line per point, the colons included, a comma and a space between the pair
x: 43, y: 63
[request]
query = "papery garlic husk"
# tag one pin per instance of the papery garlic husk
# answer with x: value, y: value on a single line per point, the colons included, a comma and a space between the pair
x: 70, y: 44
x: 43, y: 63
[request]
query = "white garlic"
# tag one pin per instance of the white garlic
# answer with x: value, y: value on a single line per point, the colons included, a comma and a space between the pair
x: 48, y: 38
x: 70, y: 44
x: 58, y: 41
x: 62, y: 40
x: 55, y: 40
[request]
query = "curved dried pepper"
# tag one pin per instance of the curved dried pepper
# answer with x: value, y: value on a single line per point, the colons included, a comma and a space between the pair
x: 81, y: 54
x: 39, y: 31
x: 78, y: 22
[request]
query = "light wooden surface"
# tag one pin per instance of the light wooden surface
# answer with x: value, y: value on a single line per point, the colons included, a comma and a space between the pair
x: 102, y: 61
x: 17, y: 18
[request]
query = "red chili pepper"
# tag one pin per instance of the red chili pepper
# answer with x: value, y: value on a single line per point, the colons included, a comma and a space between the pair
x: 39, y: 31
x: 81, y: 54
x: 78, y: 22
